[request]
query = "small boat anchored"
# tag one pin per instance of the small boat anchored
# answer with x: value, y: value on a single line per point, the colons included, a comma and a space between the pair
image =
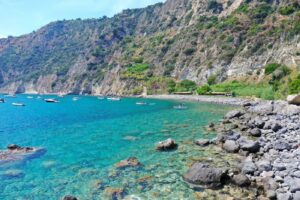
x: 141, y: 103
x: 18, y: 104
x: 75, y: 98
x: 2, y: 100
x: 114, y: 98
x: 180, y: 107
x: 51, y: 101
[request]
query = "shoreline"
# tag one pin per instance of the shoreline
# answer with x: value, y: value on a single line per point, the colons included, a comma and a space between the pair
x: 206, y: 99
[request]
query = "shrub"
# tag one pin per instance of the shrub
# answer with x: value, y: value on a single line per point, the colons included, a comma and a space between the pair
x: 287, y: 10
x: 189, y: 51
x: 204, y: 90
x: 138, y: 59
x: 270, y: 68
x: 294, y: 86
x: 214, y: 6
x: 211, y: 80
x: 185, y: 86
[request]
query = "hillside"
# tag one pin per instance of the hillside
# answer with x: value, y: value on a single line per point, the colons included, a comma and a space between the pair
x: 159, y: 46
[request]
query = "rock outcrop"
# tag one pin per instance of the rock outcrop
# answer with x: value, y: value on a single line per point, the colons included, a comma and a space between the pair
x: 166, y: 145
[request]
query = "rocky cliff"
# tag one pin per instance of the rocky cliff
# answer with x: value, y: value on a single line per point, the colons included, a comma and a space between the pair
x: 176, y: 40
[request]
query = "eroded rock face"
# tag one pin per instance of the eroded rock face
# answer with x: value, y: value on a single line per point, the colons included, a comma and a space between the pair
x: 166, y: 145
x: 203, y: 175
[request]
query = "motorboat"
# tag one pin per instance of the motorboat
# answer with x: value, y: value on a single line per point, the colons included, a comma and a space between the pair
x: 30, y: 97
x: 180, y: 107
x: 2, y: 100
x: 141, y: 103
x: 51, y: 100
x: 75, y: 98
x: 114, y: 98
x: 18, y: 104
x: 100, y: 98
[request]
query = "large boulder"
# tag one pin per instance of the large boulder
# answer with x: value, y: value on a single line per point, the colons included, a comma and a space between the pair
x: 262, y: 108
x: 234, y: 114
x: 203, y: 175
x: 166, y: 145
x: 294, y: 99
x: 249, y: 145
x: 231, y: 146
x: 248, y: 166
x: 241, y: 180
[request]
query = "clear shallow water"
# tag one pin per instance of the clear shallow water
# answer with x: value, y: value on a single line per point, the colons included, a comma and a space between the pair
x: 85, y: 139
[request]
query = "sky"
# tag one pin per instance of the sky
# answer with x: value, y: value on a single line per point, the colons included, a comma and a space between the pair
x: 18, y: 17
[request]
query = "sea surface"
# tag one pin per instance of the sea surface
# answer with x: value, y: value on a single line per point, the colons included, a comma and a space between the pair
x: 84, y: 139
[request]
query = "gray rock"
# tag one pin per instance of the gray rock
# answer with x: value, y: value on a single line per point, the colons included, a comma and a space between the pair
x: 264, y: 165
x: 202, y: 142
x: 234, y: 114
x: 255, y: 132
x: 295, y: 185
x: 241, y: 180
x: 206, y: 176
x: 271, y: 194
x: 166, y: 145
x: 248, y: 166
x: 263, y: 108
x: 284, y: 196
x: 231, y: 146
x: 296, y: 196
x: 280, y: 146
x: 249, y: 145
x: 293, y: 99
x: 276, y: 127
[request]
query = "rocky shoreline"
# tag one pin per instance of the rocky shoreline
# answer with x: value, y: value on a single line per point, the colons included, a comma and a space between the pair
x: 204, y: 98
x: 265, y: 136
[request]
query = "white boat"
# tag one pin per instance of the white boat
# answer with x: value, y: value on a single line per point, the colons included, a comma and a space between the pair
x: 113, y: 98
x: 141, y: 103
x: 61, y: 95
x: 180, y: 107
x: 51, y: 100
x: 100, y: 98
x: 10, y: 95
x: 30, y: 97
x: 18, y: 104
x: 75, y: 98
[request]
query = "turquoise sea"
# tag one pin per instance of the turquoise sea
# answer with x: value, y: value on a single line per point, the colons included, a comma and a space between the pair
x: 84, y: 139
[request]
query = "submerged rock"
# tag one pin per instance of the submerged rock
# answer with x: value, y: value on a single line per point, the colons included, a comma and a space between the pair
x: 205, y: 176
x: 129, y: 162
x: 114, y: 193
x: 166, y: 145
x: 69, y: 197
x: 202, y: 142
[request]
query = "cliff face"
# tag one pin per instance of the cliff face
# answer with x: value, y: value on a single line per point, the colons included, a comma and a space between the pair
x: 180, y: 39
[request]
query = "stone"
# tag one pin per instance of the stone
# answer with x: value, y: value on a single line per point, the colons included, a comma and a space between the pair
x: 280, y: 146
x: 202, y: 142
x: 231, y: 146
x: 293, y: 99
x: 296, y: 195
x: 271, y: 194
x: 241, y: 180
x: 129, y: 162
x: 231, y: 135
x: 166, y: 145
x: 255, y: 132
x: 263, y: 108
x: 284, y: 196
x: 248, y: 166
x: 249, y: 145
x: 206, y: 176
x: 69, y: 197
x: 276, y: 127
x: 264, y: 165
x: 234, y: 114
x: 294, y: 185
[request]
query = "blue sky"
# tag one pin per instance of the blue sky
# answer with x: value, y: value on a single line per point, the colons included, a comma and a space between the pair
x: 23, y: 16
